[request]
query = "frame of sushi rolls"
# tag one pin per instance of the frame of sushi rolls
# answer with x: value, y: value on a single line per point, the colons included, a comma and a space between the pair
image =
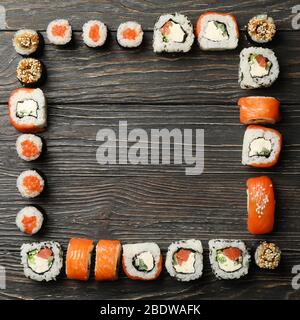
x: 229, y: 259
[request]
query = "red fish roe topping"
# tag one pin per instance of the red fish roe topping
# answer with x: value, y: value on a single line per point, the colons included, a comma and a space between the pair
x: 32, y: 184
x: 29, y: 224
x: 29, y: 148
x: 59, y: 30
x: 130, y: 34
x: 94, y: 33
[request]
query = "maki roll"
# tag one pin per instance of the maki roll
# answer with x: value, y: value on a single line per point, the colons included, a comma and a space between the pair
x: 29, y: 220
x: 27, y: 110
x: 108, y: 254
x: 261, y: 146
x: 267, y: 255
x: 258, y: 68
x: 78, y: 259
x: 26, y: 42
x: 142, y: 261
x: 259, y: 110
x: 261, y: 28
x: 130, y: 34
x: 217, y: 31
x: 30, y: 72
x: 30, y: 184
x: 173, y: 33
x: 185, y: 260
x: 260, y: 205
x: 229, y: 259
x: 59, y: 32
x: 94, y: 33
x: 29, y: 147
x: 42, y: 261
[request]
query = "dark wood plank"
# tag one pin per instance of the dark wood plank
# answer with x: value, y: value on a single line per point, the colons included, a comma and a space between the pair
x: 113, y: 12
x: 115, y: 75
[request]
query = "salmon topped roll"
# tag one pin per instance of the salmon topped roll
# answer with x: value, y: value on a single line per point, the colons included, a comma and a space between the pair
x: 28, y: 110
x: 108, y: 253
x: 259, y: 110
x: 59, y: 32
x: 30, y: 184
x: 142, y: 261
x: 78, y: 259
x: 261, y: 205
x: 261, y: 146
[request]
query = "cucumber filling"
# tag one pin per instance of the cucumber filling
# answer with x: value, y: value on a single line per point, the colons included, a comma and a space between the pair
x: 144, y: 261
x: 229, y: 259
x: 40, y: 261
x: 216, y: 31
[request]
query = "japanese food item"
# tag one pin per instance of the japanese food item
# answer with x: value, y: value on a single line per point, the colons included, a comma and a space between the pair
x: 261, y: 28
x: 27, y: 110
x: 261, y: 146
x: 29, y: 220
x: 261, y: 205
x: 130, y: 34
x: 26, y: 42
x: 30, y: 184
x: 30, y: 71
x: 94, y: 33
x: 42, y: 261
x: 259, y: 110
x: 142, y: 261
x: 108, y: 254
x: 217, y: 31
x: 229, y: 259
x: 258, y: 68
x: 173, y: 33
x: 184, y: 260
x: 267, y: 255
x: 78, y: 259
x: 59, y: 32
x: 29, y: 147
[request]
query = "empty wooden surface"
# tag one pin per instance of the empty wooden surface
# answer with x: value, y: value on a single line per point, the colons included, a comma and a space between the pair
x: 92, y: 89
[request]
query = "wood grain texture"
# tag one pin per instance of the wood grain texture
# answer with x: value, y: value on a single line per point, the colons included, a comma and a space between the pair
x: 88, y: 90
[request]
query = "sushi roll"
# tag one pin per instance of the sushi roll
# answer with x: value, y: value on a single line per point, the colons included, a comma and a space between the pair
x: 258, y: 68
x: 229, y: 259
x: 261, y: 146
x: 94, y: 33
x: 42, y: 261
x: 217, y: 31
x: 30, y: 72
x: 185, y: 260
x: 30, y: 184
x: 261, y: 28
x: 142, y: 261
x: 130, y: 34
x: 29, y: 220
x: 26, y: 42
x: 108, y: 254
x: 29, y: 147
x: 78, y: 259
x: 27, y: 110
x: 267, y: 255
x: 173, y: 33
x: 59, y: 32
x: 259, y: 110
x: 260, y: 205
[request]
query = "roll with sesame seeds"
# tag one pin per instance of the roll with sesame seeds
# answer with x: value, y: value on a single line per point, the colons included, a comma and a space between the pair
x: 30, y: 72
x: 261, y: 205
x: 267, y: 255
x: 261, y: 28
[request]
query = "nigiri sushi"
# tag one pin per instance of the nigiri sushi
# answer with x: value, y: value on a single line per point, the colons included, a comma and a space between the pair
x: 261, y: 205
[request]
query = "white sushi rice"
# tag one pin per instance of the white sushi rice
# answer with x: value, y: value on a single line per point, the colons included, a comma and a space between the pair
x: 252, y: 134
x: 36, y: 140
x: 38, y: 111
x: 102, y: 32
x: 219, y: 244
x: 23, y: 190
x: 127, y: 43
x: 29, y: 211
x: 28, y: 47
x: 191, y: 244
x: 246, y: 81
x: 226, y: 44
x: 160, y: 46
x: 58, y: 40
x: 56, y: 265
x: 131, y: 250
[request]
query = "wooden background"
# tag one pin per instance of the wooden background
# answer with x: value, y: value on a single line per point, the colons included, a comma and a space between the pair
x: 91, y: 89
